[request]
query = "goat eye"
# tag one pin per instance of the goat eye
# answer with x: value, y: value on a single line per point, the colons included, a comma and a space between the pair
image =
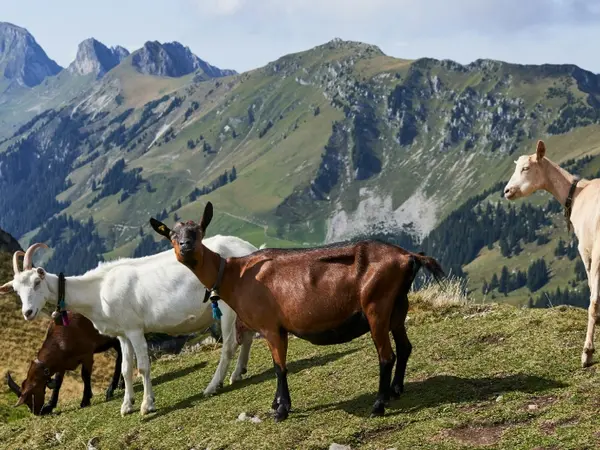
x: 525, y: 169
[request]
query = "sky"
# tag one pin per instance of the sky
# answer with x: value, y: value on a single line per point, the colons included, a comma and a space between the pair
x: 246, y: 34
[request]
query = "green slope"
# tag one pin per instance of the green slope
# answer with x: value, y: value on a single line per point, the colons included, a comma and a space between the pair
x: 504, y: 377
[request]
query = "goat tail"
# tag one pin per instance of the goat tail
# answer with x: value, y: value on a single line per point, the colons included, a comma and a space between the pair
x: 431, y: 265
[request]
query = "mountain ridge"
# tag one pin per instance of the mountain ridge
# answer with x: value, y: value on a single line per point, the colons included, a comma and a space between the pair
x: 22, y: 60
x: 93, y: 57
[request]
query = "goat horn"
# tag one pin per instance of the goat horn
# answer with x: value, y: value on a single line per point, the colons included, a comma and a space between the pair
x: 27, y: 260
x: 12, y: 385
x: 16, y: 261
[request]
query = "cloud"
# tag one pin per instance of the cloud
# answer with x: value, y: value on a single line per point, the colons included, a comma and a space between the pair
x: 423, y: 17
x: 220, y: 7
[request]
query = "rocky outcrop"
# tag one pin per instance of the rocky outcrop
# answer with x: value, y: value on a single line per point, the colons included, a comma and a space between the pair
x: 93, y: 57
x: 172, y: 60
x: 22, y: 60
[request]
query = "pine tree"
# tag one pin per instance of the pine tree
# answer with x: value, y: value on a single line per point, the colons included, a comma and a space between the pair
x: 141, y: 231
x: 494, y: 283
x: 560, y: 249
x: 504, y: 279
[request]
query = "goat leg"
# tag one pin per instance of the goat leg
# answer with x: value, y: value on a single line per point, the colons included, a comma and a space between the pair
x: 86, y: 376
x: 117, y: 380
x: 48, y: 407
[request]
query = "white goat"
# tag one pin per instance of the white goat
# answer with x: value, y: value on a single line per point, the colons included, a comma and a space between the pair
x: 132, y: 296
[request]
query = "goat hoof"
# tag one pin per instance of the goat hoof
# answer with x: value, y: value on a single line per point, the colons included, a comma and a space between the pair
x: 210, y: 390
x: 84, y: 404
x: 281, y: 414
x: 586, y: 357
x: 46, y: 409
x: 109, y: 395
x: 126, y: 409
x: 378, y: 409
x: 244, y: 371
x: 396, y: 391
x: 147, y: 408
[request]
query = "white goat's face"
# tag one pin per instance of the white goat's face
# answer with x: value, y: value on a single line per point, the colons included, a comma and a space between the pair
x: 529, y: 175
x: 32, y: 288
x: 30, y: 284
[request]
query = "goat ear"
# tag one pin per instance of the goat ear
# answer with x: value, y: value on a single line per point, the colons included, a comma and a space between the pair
x: 540, y: 150
x: 160, y: 227
x: 206, y: 217
x: 6, y: 288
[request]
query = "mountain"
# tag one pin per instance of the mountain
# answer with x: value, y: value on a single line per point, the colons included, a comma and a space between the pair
x: 172, y: 60
x: 22, y: 60
x: 335, y: 142
x: 93, y: 57
x: 8, y: 243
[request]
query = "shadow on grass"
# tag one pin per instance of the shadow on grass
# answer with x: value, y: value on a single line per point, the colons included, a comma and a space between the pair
x: 170, y: 376
x: 269, y: 374
x: 444, y: 389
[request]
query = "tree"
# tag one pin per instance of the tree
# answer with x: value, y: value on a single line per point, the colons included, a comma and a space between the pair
x: 494, y: 283
x: 560, y: 249
x: 485, y: 288
x: 504, y: 280
x: 141, y: 231
x: 232, y: 174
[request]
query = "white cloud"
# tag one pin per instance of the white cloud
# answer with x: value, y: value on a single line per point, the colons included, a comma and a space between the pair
x: 220, y: 7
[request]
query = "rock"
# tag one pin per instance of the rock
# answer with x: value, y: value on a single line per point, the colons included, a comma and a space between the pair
x: 22, y: 59
x: 91, y: 445
x: 242, y: 417
x: 93, y: 57
x: 172, y: 60
x: 335, y: 446
x: 499, y: 398
x: 532, y: 407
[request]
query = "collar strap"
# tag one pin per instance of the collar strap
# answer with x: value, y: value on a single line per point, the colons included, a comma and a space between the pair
x: 60, y: 315
x: 213, y: 293
x: 569, y: 202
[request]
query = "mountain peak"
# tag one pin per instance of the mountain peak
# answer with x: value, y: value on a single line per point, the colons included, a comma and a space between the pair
x: 172, y: 59
x: 93, y: 57
x: 21, y: 58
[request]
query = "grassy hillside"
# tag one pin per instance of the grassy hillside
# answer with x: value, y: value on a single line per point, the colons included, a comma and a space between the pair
x: 327, y: 143
x: 504, y: 377
x: 20, y: 343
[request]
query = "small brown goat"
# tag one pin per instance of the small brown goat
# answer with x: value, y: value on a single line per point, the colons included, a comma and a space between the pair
x: 65, y: 348
x: 327, y: 295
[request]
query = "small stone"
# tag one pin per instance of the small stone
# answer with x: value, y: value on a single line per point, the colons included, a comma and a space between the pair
x: 255, y: 419
x: 243, y: 416
x: 58, y: 437
x: 532, y: 407
x: 499, y: 398
x: 335, y: 446
x: 91, y: 445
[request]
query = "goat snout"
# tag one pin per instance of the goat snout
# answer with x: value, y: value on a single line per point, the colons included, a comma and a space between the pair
x: 185, y: 245
x: 509, y: 192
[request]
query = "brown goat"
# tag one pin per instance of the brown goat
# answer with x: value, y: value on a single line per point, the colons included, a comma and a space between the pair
x: 65, y: 348
x: 327, y: 295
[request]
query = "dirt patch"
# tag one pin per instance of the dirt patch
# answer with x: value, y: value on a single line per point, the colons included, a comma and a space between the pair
x: 491, y: 339
x: 475, y: 435
x: 537, y: 403
x: 550, y: 426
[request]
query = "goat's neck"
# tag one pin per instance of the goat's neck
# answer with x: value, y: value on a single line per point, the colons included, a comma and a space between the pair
x: 208, y: 271
x: 558, y: 181
x: 82, y: 294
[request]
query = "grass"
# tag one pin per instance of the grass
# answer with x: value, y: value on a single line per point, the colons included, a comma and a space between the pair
x: 479, y: 375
